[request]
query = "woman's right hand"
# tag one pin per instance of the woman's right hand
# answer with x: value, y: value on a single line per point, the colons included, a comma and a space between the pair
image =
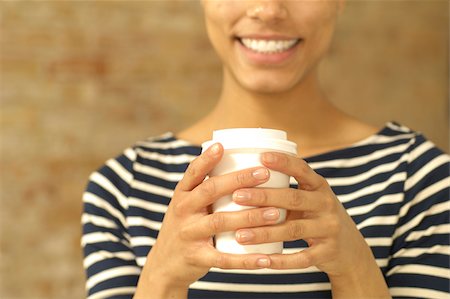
x: 184, y: 250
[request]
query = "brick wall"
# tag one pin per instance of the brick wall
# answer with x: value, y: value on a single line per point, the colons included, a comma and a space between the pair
x: 82, y: 80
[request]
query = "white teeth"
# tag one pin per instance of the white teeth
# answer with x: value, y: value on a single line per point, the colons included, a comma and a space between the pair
x: 268, y: 46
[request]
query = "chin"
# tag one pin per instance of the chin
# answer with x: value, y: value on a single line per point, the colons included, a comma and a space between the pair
x: 268, y: 86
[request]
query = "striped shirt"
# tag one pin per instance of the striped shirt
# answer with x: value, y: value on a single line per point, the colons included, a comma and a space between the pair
x: 394, y: 184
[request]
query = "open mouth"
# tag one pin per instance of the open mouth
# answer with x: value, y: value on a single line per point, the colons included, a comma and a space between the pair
x: 268, y: 46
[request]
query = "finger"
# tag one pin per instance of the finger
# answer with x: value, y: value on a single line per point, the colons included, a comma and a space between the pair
x: 286, y: 198
x: 307, y: 178
x: 231, y: 221
x: 288, y: 231
x: 299, y: 260
x: 214, y: 188
x: 199, y: 168
x: 214, y: 258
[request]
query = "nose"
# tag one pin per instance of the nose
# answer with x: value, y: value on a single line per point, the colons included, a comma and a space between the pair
x: 267, y: 11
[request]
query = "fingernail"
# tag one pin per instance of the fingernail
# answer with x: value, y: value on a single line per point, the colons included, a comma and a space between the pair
x: 241, y: 196
x: 215, y: 149
x: 263, y: 262
x: 271, y: 214
x: 269, y: 158
x: 261, y: 173
x: 244, y: 235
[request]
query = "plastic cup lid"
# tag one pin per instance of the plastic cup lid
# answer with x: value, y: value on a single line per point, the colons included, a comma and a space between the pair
x: 240, y: 138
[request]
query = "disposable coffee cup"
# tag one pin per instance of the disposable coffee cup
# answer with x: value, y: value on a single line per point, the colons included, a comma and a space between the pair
x: 242, y: 149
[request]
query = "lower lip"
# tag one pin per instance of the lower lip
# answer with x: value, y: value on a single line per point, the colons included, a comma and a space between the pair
x: 276, y: 58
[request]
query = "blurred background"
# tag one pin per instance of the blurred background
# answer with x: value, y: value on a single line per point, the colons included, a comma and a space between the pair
x: 82, y: 80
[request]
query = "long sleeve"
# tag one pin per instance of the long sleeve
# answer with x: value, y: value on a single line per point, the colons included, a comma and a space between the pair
x: 419, y: 265
x: 109, y: 261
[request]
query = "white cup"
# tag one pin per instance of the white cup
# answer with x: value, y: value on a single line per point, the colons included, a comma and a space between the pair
x: 243, y: 148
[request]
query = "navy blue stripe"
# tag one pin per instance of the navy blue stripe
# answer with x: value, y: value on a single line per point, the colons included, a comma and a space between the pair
x: 117, y: 282
x: 150, y: 197
x: 343, y: 171
x: 109, y: 264
x: 141, y: 231
x: 200, y: 294
x: 168, y: 167
x: 175, y: 151
x: 140, y: 177
x: 436, y: 260
x: 355, y: 151
x: 419, y: 281
x: 393, y: 188
x: 104, y: 194
x: 135, y: 211
x: 278, y: 279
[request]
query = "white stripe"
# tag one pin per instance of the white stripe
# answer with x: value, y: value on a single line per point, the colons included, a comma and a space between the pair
x: 109, y: 293
x: 147, y: 205
x: 425, y: 193
x: 372, y: 242
x: 415, y: 252
x: 130, y: 154
x: 122, y: 172
x: 98, y: 221
x: 261, y: 288
x: 150, y: 188
x: 397, y: 177
x: 97, y: 237
x: 106, y: 184
x: 357, y: 161
x: 382, y: 139
x: 143, y: 241
x: 102, y: 255
x: 360, y: 177
x: 103, y: 204
x: 140, y: 261
x: 164, y: 145
x: 112, y: 273
x: 378, y: 220
x: 380, y: 262
x: 140, y: 221
x: 155, y: 172
x: 420, y: 150
x: 417, y: 293
x: 436, y: 209
x: 420, y: 269
x: 266, y: 271
x: 420, y: 174
x: 383, y: 200
x: 432, y: 230
x: 167, y: 159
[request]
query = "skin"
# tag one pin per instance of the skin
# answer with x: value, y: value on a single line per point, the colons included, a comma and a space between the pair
x: 286, y: 96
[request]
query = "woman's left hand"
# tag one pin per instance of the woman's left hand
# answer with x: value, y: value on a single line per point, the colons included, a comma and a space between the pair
x: 315, y: 215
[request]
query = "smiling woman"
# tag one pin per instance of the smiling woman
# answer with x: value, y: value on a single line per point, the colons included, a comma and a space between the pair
x: 367, y: 209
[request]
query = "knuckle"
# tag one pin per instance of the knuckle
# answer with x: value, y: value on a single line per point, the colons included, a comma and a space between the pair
x: 252, y: 218
x: 208, y: 187
x: 296, y: 199
x: 305, y: 260
x: 264, y: 235
x: 241, y: 178
x: 262, y: 197
x: 334, y: 226
x: 216, y: 221
x: 294, y: 230
x: 247, y: 264
x: 221, y: 261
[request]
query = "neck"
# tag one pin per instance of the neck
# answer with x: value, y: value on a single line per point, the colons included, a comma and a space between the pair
x: 303, y: 112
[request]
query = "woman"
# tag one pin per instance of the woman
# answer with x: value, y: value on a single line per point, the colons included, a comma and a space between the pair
x: 371, y: 219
